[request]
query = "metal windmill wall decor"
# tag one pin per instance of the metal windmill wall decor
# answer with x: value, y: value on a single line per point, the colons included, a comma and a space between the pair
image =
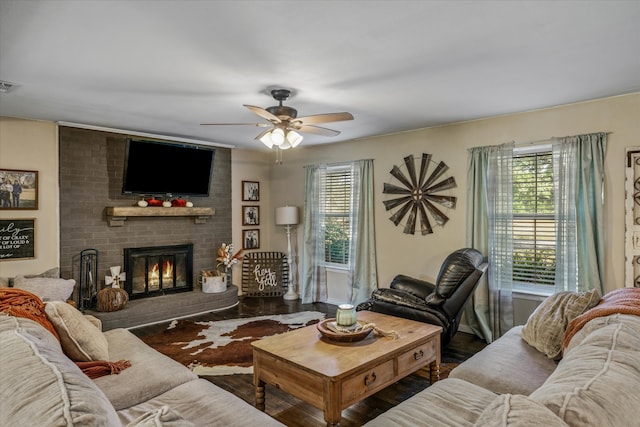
x: 419, y: 193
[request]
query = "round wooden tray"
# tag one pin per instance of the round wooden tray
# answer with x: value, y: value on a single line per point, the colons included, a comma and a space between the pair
x: 344, y: 336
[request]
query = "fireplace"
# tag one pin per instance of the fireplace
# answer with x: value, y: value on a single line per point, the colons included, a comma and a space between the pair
x: 158, y: 270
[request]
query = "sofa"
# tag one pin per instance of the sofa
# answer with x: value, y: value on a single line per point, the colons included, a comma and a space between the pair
x: 530, y: 377
x: 41, y: 386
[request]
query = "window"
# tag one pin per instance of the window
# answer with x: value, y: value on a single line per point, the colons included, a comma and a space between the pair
x: 336, y: 205
x: 534, y: 238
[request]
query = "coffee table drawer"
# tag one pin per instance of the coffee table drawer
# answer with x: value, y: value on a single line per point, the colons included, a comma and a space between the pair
x: 417, y: 357
x: 368, y: 382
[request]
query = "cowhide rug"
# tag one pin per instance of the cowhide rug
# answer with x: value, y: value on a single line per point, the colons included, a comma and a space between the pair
x: 223, y: 347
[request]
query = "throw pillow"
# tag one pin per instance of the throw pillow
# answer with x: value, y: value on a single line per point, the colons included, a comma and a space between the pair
x: 546, y: 325
x: 81, y: 341
x: 47, y: 289
x: 52, y: 273
x: 513, y: 410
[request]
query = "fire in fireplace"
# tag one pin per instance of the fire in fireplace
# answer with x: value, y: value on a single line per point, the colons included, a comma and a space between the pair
x: 158, y: 270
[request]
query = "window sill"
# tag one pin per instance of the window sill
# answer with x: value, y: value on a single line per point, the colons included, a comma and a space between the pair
x: 336, y: 269
x: 531, y: 292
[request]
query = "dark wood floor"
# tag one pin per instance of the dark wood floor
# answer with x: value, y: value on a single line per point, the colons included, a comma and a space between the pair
x: 292, y: 411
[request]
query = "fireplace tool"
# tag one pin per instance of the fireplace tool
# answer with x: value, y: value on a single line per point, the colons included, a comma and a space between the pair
x: 88, y: 289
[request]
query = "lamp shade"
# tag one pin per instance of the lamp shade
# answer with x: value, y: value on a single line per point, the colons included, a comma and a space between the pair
x: 287, y: 215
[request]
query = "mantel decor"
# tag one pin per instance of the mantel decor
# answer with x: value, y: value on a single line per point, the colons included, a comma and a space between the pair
x: 416, y: 192
x: 117, y: 215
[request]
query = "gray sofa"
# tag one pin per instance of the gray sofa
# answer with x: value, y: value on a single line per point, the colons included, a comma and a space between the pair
x: 41, y: 386
x: 510, y: 383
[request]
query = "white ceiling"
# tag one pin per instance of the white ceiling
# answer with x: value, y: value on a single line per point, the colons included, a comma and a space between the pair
x: 164, y: 67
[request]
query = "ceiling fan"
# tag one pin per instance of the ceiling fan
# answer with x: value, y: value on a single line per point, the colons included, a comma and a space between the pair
x: 284, y: 124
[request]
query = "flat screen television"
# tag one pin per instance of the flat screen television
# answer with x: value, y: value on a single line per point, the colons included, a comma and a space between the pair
x: 159, y: 168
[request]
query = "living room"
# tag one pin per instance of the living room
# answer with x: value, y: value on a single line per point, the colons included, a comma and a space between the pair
x: 80, y: 164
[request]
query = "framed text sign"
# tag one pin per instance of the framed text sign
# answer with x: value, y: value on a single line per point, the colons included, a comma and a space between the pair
x: 17, y: 238
x: 264, y: 274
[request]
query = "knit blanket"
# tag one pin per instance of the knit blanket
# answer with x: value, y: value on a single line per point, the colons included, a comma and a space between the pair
x: 21, y: 303
x: 623, y: 301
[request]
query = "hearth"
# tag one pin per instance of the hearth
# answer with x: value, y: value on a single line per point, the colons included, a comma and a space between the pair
x: 158, y: 270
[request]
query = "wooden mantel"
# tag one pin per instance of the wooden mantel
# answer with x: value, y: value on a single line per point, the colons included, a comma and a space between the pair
x: 117, y: 215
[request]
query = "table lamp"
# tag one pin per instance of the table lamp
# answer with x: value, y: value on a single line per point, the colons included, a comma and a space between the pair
x: 288, y: 216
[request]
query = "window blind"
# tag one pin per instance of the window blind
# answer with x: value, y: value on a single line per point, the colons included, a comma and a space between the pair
x: 534, y: 238
x: 337, y: 207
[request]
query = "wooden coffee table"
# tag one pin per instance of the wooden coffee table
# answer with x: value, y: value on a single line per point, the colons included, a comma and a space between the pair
x: 334, y: 375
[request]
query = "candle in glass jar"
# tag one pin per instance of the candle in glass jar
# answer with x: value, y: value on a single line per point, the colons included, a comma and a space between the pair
x: 346, y: 315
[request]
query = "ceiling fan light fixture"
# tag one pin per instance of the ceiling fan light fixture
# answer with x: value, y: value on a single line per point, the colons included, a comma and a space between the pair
x: 266, y: 140
x: 294, y: 138
x: 277, y: 136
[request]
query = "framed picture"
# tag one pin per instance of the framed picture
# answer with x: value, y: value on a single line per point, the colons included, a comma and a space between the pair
x: 250, y: 191
x: 250, y: 239
x: 17, y: 238
x: 251, y: 215
x: 18, y: 189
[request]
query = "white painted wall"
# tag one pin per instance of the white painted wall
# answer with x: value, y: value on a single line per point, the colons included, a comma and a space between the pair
x: 33, y: 145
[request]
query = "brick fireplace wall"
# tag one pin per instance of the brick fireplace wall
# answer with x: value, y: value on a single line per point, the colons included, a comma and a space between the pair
x: 91, y: 168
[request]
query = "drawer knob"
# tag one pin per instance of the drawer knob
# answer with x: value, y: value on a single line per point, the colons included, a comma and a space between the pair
x: 368, y: 380
x: 418, y: 355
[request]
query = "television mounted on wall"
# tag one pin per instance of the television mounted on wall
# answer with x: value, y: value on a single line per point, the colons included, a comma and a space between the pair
x: 161, y: 168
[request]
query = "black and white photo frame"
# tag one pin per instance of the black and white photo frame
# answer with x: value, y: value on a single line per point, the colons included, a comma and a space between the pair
x: 250, y: 215
x: 251, y: 238
x: 250, y: 191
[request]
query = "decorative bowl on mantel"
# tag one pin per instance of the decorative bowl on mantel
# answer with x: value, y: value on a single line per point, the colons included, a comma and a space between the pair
x: 329, y: 329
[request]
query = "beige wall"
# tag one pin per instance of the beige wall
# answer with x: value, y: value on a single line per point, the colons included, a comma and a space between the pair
x: 32, y: 145
x: 248, y: 165
x: 420, y: 256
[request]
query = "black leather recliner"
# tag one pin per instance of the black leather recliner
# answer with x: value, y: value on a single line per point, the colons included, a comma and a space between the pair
x: 439, y: 304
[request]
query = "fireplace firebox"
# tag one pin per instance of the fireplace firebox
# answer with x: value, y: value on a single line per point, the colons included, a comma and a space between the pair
x: 158, y: 270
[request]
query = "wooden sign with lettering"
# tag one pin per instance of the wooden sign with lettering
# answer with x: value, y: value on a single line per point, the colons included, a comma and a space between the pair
x: 17, y: 239
x: 264, y: 274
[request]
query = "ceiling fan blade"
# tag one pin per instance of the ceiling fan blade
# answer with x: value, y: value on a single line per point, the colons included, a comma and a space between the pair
x: 324, y: 118
x: 260, y: 125
x: 263, y: 113
x: 317, y: 130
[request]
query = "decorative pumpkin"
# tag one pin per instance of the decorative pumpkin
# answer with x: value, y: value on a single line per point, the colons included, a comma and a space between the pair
x: 112, y: 299
x: 179, y: 203
x: 154, y: 202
